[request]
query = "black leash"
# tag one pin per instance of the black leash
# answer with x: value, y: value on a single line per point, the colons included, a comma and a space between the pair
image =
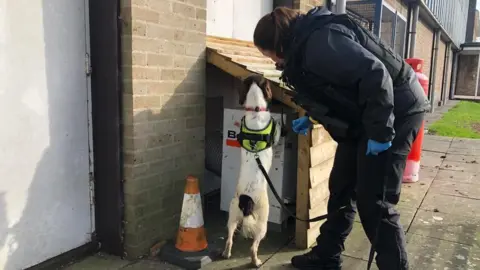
x: 280, y: 201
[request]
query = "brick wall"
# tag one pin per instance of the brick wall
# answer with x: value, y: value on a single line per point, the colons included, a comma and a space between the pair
x: 399, y: 6
x: 306, y: 5
x: 423, y: 46
x: 467, y: 75
x: 163, y: 65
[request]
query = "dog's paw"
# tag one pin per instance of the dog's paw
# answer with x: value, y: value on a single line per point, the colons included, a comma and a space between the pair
x: 226, y: 254
x: 257, y: 263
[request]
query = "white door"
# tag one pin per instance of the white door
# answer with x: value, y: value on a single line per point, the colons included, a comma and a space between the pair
x: 45, y: 192
x: 235, y: 18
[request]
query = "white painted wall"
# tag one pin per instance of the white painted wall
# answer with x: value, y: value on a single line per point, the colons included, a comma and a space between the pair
x: 235, y: 18
x: 45, y: 205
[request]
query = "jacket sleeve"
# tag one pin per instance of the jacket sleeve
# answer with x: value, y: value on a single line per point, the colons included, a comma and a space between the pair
x: 333, y: 54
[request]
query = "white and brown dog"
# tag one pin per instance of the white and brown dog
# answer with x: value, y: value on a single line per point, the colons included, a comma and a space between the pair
x: 259, y: 132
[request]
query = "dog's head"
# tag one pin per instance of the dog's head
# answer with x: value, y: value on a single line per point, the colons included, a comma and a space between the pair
x: 250, y: 84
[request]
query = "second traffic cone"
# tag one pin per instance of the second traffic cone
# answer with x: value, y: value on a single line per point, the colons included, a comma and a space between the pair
x: 191, y: 234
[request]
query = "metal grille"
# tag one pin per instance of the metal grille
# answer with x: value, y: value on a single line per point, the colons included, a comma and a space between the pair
x: 363, y: 13
x: 387, y: 28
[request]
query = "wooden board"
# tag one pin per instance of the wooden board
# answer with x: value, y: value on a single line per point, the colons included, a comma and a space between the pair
x: 303, y: 186
x: 322, y: 152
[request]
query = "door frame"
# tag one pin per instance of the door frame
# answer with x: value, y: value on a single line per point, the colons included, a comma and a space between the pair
x: 106, y: 83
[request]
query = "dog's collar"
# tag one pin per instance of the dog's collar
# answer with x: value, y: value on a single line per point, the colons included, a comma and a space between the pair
x: 256, y: 109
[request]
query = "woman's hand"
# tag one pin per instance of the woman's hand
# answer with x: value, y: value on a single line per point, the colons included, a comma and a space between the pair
x: 301, y: 125
x: 374, y: 148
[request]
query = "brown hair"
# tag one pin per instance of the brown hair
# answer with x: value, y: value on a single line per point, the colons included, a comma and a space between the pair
x: 273, y: 28
x: 258, y: 80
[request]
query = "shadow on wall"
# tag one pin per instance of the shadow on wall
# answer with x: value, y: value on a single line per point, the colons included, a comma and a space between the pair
x: 164, y: 137
x: 48, y: 205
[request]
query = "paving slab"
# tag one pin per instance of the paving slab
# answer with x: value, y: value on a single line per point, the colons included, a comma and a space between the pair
x: 451, y: 205
x: 461, y: 166
x: 451, y: 227
x: 357, y: 244
x: 216, y: 222
x: 436, y: 145
x: 432, y: 159
x: 457, y: 176
x: 427, y: 253
x: 406, y: 216
x: 281, y: 260
x: 464, y: 151
x: 466, y: 143
x: 463, y: 158
x: 451, y: 188
x: 151, y: 265
x: 99, y: 262
x: 413, y: 194
x: 437, y: 138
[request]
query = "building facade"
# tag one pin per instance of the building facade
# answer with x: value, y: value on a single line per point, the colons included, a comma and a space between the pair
x: 432, y: 30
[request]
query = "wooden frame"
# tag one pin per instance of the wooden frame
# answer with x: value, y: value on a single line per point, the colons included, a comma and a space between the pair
x: 315, y: 151
x: 107, y: 133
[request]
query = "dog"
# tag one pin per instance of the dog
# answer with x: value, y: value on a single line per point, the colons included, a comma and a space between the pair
x: 250, y: 207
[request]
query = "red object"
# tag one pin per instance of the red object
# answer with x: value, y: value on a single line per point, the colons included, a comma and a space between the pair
x: 255, y: 109
x: 412, y: 169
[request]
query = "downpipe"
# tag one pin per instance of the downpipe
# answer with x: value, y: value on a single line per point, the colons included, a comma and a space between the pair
x: 433, y: 69
x: 413, y: 29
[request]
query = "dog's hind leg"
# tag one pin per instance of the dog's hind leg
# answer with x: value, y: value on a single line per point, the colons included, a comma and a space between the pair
x: 254, y: 252
x: 234, y: 218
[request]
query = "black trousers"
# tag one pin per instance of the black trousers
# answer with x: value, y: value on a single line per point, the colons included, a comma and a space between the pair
x: 372, y: 184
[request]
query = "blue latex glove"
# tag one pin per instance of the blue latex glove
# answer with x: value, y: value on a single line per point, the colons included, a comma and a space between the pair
x: 374, y: 148
x: 301, y: 125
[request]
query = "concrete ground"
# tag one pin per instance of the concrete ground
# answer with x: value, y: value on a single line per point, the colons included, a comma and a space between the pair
x: 440, y: 213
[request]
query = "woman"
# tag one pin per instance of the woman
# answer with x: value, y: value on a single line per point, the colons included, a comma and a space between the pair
x: 380, y: 98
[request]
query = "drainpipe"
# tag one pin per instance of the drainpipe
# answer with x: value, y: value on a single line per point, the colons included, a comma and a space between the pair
x: 407, y: 34
x: 413, y: 29
x: 453, y: 78
x: 341, y: 6
x: 329, y: 4
x: 443, y: 99
x: 433, y: 68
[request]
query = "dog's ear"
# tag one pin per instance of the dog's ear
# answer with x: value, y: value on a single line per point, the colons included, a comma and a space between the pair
x: 258, y: 80
x: 243, y: 90
x: 267, y: 90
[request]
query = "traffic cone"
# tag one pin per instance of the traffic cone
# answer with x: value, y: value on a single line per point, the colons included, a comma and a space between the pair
x: 191, y: 234
x: 191, y: 249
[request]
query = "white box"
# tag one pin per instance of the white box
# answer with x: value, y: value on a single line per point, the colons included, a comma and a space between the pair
x: 283, y: 172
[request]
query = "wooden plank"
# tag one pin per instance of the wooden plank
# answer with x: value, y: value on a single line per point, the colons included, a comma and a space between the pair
x: 322, y: 152
x: 320, y: 135
x: 238, y: 51
x: 230, y: 41
x: 248, y: 59
x: 227, y: 65
x: 317, y: 196
x: 270, y: 74
x: 320, y: 173
x: 318, y: 211
x: 303, y: 180
x: 313, y: 233
x: 240, y: 72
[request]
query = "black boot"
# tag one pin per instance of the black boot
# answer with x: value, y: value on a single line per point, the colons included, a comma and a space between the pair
x: 311, y: 260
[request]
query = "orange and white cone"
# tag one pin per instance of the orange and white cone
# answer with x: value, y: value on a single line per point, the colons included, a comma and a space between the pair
x: 191, y: 234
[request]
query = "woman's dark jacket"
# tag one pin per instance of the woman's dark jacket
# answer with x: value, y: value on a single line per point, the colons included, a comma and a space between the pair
x: 332, y: 56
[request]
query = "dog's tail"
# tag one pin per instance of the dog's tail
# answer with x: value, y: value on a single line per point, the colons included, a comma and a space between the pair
x: 249, y: 223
